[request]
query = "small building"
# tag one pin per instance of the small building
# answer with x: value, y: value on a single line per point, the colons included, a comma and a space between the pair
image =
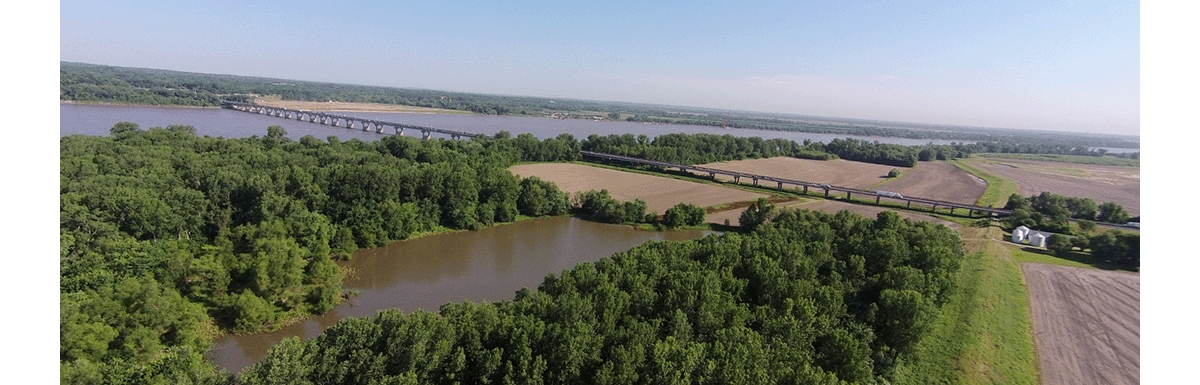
x: 1037, y: 240
x: 1019, y: 234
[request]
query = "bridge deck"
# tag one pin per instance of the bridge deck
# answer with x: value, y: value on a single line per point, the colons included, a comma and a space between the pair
x: 242, y: 106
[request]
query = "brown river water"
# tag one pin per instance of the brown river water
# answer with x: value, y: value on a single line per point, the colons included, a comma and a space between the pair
x: 491, y: 264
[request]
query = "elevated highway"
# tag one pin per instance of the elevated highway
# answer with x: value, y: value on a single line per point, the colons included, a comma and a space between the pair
x: 350, y: 122
x: 804, y: 186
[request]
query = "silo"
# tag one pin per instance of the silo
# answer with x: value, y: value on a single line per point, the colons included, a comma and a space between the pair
x: 1019, y: 234
x: 1038, y: 240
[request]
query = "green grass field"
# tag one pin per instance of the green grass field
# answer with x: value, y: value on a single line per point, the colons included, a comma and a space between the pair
x: 998, y: 189
x: 984, y: 334
x: 1078, y: 159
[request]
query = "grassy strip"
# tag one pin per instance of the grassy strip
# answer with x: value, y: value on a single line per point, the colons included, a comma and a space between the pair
x: 1073, y: 259
x: 998, y: 188
x: 1077, y: 159
x: 984, y: 333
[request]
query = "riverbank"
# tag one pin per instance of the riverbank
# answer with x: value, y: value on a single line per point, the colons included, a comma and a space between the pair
x: 352, y: 107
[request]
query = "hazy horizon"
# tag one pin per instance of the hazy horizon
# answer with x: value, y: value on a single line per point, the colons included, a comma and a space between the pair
x: 1034, y: 66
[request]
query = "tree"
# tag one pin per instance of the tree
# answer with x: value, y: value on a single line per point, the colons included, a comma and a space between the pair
x: 893, y: 173
x: 756, y: 214
x: 1059, y: 244
x: 1112, y: 212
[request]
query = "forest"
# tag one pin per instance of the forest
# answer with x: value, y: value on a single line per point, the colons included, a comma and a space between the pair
x: 106, y: 84
x: 806, y: 298
x: 168, y: 239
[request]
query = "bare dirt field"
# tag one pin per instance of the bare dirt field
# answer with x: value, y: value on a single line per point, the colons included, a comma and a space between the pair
x: 938, y: 180
x: 1118, y: 184
x: 832, y: 207
x: 833, y: 172
x: 659, y: 193
x: 1086, y: 324
x: 348, y: 106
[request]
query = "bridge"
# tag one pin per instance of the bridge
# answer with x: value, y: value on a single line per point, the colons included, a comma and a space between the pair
x: 379, y: 126
x: 798, y: 184
x: 350, y: 122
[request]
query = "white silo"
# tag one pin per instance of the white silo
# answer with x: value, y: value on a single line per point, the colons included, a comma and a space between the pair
x: 1019, y: 234
x: 1037, y: 239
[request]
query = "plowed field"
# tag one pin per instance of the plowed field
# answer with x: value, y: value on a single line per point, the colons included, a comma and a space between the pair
x: 1101, y: 183
x: 659, y: 193
x: 938, y: 180
x: 1086, y: 324
x: 832, y: 172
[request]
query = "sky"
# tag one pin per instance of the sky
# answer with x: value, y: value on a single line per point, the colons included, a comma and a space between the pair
x: 1066, y: 66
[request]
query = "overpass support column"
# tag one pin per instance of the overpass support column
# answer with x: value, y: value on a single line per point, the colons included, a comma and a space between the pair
x: 935, y: 207
x: 876, y: 200
x: 780, y: 186
x: 805, y: 189
x: 737, y: 179
x: 755, y: 182
x: 908, y: 204
x: 847, y: 195
x: 826, y: 193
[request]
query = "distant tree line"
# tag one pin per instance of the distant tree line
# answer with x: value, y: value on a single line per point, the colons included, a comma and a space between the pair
x: 96, y: 83
x: 167, y: 238
x: 806, y: 298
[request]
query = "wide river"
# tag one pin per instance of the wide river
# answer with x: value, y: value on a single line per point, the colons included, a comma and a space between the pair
x: 98, y: 119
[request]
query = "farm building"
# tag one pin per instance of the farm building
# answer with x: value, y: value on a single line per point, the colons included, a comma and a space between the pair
x: 1019, y: 234
x: 1024, y: 234
x: 1037, y: 239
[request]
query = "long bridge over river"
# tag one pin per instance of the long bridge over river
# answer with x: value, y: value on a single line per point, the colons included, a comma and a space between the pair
x: 350, y: 122
x: 379, y: 126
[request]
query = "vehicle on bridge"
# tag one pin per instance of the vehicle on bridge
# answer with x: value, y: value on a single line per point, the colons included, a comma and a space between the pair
x: 889, y: 194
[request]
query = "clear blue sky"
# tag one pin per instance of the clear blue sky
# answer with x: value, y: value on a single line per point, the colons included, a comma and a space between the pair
x: 1069, y: 66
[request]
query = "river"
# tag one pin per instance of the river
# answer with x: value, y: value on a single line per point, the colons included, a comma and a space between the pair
x: 491, y: 264
x: 89, y: 119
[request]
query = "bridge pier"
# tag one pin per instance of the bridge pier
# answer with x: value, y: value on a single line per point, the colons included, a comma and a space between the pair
x: 805, y: 189
x: 826, y: 193
x: 935, y: 207
x: 755, y: 182
x: 908, y: 204
x: 847, y: 195
x: 399, y: 130
x: 379, y: 129
x: 780, y: 186
x: 455, y: 137
x: 876, y: 200
x: 737, y: 179
x: 426, y: 134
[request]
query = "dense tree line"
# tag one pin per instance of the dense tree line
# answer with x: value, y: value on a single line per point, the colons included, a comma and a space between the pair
x: 1053, y: 212
x: 96, y: 83
x: 167, y: 238
x: 806, y: 298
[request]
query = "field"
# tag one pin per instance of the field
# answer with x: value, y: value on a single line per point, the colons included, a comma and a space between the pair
x: 1101, y: 183
x: 833, y: 172
x: 983, y: 334
x: 938, y: 180
x: 660, y: 193
x: 1087, y: 324
x: 349, y: 106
